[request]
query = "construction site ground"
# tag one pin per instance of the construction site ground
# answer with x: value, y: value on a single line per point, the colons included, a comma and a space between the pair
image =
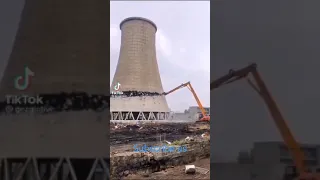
x: 177, y: 172
x: 126, y: 133
x: 124, y: 136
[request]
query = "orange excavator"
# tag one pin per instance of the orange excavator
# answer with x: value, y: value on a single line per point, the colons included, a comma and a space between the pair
x: 299, y: 171
x: 204, y: 116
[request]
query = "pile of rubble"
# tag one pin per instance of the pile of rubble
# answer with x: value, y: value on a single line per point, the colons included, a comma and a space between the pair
x: 148, y: 127
x: 164, y: 142
x: 124, y: 133
x: 136, y: 93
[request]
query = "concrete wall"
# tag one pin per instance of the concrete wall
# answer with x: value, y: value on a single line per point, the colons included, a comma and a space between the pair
x: 131, y: 162
x: 183, y: 116
x: 137, y: 104
x: 81, y: 134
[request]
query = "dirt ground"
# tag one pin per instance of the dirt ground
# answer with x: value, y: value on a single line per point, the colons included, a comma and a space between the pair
x: 125, y: 136
x: 203, y: 172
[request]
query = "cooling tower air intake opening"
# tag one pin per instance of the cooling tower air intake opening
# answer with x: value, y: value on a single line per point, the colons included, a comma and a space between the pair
x: 140, y: 19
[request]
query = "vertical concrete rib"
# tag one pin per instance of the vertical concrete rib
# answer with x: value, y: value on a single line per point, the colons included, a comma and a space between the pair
x: 137, y: 68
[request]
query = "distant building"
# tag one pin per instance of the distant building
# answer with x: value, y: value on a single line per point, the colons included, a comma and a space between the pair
x: 192, y: 113
x: 277, y: 152
x: 265, y: 161
x: 196, y: 110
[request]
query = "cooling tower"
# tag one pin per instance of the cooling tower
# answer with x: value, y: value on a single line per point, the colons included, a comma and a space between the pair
x: 64, y: 44
x: 137, y: 74
x: 64, y: 48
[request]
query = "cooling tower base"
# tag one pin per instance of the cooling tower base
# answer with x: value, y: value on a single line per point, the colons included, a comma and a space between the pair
x: 139, y: 115
x: 54, y: 168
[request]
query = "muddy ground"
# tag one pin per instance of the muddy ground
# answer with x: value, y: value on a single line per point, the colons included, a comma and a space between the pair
x: 126, y: 134
x: 123, y: 137
x: 203, y: 172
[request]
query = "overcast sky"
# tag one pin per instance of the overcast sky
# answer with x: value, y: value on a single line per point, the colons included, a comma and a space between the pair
x: 182, y: 41
x: 282, y: 37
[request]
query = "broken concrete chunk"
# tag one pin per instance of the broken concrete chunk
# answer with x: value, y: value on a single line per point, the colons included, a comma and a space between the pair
x: 190, y: 169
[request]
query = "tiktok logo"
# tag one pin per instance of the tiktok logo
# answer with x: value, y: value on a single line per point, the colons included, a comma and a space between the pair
x: 116, y: 91
x: 117, y: 87
x: 22, y: 82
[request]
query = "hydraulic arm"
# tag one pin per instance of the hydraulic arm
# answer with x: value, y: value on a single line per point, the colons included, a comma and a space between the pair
x: 262, y: 90
x: 189, y: 86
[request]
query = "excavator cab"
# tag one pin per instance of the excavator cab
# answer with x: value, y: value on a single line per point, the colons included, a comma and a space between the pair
x: 203, y: 118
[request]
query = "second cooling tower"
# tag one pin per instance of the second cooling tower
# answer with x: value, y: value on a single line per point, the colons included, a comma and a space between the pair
x: 136, y: 90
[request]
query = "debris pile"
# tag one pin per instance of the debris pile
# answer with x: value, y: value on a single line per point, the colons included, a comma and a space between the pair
x: 63, y: 101
x: 136, y: 93
x: 147, y: 127
x: 124, y: 133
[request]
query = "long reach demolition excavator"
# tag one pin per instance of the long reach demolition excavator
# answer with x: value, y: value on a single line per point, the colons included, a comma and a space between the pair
x: 204, y: 116
x: 299, y: 171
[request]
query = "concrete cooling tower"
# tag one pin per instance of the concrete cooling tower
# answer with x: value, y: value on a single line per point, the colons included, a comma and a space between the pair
x: 65, y: 54
x: 60, y: 46
x: 136, y: 90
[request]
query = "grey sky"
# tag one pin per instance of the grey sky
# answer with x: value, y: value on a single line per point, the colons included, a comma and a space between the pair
x: 283, y: 38
x: 183, y: 45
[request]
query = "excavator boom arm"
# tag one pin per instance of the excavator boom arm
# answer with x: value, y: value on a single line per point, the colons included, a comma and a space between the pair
x: 197, y: 99
x: 231, y: 76
x: 189, y: 86
x: 280, y: 122
x: 179, y: 87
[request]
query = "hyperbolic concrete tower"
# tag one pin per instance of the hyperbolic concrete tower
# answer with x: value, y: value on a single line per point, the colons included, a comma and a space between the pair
x: 65, y: 44
x: 138, y: 74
